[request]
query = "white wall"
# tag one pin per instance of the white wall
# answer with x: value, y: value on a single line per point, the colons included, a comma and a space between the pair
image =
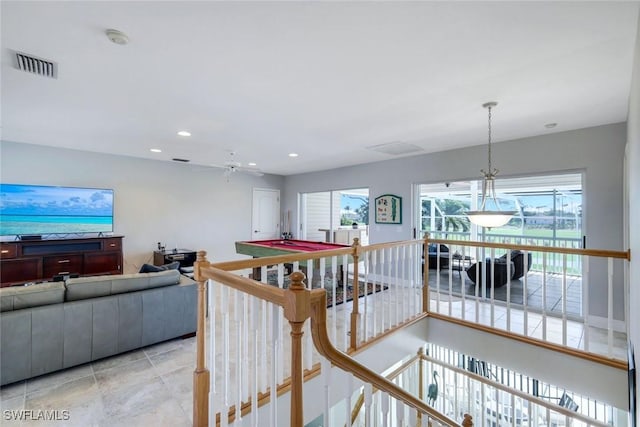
x: 155, y: 201
x: 597, y: 151
x: 633, y: 199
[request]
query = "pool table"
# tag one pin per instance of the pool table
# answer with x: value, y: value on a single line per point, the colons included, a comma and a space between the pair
x: 264, y: 248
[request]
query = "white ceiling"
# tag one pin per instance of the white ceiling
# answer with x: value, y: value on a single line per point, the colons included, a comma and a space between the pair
x: 323, y: 79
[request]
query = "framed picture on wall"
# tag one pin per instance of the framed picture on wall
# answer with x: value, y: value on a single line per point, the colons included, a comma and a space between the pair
x: 388, y: 209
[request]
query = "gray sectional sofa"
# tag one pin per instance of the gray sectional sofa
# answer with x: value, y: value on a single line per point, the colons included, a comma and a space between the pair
x: 52, y: 326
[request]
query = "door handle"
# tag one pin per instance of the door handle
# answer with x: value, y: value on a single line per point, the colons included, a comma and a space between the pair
x: 256, y: 231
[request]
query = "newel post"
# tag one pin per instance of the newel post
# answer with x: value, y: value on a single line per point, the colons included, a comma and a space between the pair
x: 425, y: 274
x: 201, y: 373
x: 297, y: 309
x: 355, y: 312
x: 468, y: 421
x: 420, y: 380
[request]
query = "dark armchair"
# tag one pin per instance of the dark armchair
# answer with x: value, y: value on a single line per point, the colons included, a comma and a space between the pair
x: 500, y: 277
x: 433, y: 256
x: 517, y: 257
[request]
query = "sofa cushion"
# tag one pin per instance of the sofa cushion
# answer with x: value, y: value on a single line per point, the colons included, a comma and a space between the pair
x: 88, y: 287
x: 148, y: 268
x: 99, y: 286
x: 164, y: 278
x: 19, y: 297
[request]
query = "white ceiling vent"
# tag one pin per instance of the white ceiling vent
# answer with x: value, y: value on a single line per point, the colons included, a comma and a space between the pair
x: 395, y: 148
x: 35, y: 65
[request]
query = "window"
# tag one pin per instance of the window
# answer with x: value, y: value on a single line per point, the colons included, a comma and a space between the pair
x: 335, y: 216
x: 549, y: 210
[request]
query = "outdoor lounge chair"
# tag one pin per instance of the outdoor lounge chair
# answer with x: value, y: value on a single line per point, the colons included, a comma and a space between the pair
x: 500, y: 276
x: 518, y: 263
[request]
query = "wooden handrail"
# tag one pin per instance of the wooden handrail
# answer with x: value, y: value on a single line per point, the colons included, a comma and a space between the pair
x: 290, y: 258
x: 603, y: 253
x: 357, y: 407
x: 537, y: 400
x: 272, y: 294
x: 341, y: 360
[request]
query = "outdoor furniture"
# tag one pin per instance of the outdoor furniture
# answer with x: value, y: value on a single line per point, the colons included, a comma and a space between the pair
x: 518, y: 262
x: 433, y: 256
x: 500, y: 277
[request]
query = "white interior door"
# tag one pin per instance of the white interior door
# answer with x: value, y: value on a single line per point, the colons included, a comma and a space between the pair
x: 265, y: 220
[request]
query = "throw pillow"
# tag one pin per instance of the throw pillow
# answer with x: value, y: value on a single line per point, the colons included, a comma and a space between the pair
x: 148, y: 268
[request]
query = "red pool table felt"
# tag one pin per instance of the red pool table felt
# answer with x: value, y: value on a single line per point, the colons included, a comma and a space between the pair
x: 293, y: 245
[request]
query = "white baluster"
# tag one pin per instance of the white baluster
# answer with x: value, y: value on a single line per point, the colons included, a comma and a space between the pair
x: 376, y: 307
x: 585, y: 308
x: 524, y: 293
x: 610, y: 306
x: 224, y: 310
x: 245, y: 347
x: 345, y: 280
x: 276, y: 364
x: 368, y: 409
x: 211, y: 303
x: 399, y: 412
x: 477, y: 284
x: 239, y: 309
x: 450, y: 309
x: 492, y: 281
x: 348, y: 400
x: 334, y: 305
x: 463, y: 283
x: 384, y: 407
x: 508, y: 261
x: 326, y: 373
x: 255, y: 307
x: 564, y: 299
x: 363, y: 326
x: 544, y: 296
x: 278, y: 319
x: 396, y: 304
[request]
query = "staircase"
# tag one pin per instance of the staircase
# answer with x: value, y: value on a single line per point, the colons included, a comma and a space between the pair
x: 253, y: 369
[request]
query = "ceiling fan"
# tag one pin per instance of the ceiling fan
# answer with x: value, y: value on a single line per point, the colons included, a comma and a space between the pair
x: 232, y: 166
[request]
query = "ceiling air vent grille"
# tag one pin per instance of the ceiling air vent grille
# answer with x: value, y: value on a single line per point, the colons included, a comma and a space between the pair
x: 395, y: 148
x: 34, y: 65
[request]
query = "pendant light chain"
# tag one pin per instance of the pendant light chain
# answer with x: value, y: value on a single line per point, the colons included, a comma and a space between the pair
x: 490, y: 172
x: 489, y: 139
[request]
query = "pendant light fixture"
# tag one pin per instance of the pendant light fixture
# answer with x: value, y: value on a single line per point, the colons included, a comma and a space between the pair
x: 485, y: 217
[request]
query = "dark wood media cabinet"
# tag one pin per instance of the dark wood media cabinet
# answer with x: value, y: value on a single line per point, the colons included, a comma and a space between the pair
x: 41, y: 260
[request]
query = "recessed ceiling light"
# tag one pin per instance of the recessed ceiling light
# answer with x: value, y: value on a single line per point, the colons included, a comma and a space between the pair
x: 293, y: 154
x: 184, y: 133
x: 550, y: 125
x: 155, y: 150
x: 252, y: 164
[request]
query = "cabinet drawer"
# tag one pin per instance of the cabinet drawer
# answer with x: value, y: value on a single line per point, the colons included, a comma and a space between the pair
x: 20, y: 270
x: 8, y: 250
x: 68, y: 264
x: 112, y: 244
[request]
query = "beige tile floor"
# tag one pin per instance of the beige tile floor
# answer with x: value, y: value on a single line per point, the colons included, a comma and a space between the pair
x: 153, y: 386
x: 146, y: 387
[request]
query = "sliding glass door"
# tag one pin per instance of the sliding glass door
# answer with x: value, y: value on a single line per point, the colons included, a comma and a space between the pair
x: 335, y: 216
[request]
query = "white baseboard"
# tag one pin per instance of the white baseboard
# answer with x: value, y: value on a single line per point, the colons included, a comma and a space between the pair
x: 602, y: 323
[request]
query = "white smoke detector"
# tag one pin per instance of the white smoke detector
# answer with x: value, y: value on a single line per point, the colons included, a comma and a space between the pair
x: 117, y: 37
